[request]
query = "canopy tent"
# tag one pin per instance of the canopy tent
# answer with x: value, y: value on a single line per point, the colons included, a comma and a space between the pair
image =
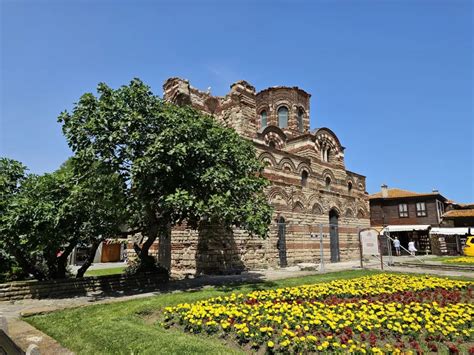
x: 405, y: 228
x: 452, y: 231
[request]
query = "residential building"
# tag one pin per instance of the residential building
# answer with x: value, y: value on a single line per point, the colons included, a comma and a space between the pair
x: 407, y: 215
x: 436, y: 225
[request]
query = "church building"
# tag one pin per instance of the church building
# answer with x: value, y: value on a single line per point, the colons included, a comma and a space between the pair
x: 310, y: 189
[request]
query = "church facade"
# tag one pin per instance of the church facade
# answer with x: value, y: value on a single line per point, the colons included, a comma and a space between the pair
x: 311, y: 190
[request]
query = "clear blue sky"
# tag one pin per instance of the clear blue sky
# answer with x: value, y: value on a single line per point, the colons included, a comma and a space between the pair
x: 393, y: 79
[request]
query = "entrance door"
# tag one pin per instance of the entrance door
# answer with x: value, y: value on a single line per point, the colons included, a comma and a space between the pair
x: 281, y: 245
x: 110, y: 253
x: 334, y: 235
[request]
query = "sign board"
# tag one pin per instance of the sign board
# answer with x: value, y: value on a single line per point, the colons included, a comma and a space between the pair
x: 369, y: 242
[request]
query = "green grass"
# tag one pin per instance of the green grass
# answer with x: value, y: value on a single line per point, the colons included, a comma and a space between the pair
x: 120, y: 328
x: 444, y: 260
x: 102, y: 272
x: 131, y: 327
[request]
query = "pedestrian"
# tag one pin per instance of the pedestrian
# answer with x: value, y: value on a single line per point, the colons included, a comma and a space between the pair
x: 411, y: 247
x: 396, y: 245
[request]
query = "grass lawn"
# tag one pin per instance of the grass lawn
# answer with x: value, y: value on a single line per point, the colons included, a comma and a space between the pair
x: 124, y: 328
x: 447, y: 259
x: 102, y: 272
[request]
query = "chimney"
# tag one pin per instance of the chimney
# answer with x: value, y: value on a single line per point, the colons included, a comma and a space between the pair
x: 384, y: 191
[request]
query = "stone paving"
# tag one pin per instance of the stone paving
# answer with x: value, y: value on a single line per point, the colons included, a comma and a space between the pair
x: 24, y: 334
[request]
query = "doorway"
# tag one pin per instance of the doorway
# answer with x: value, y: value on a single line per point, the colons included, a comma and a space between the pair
x: 334, y: 235
x: 281, y: 244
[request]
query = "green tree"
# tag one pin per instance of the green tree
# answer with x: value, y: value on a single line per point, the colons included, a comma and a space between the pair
x: 45, y: 217
x: 178, y: 164
x: 12, y: 174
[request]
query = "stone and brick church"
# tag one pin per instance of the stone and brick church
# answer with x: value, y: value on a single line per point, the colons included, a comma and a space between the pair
x: 310, y: 185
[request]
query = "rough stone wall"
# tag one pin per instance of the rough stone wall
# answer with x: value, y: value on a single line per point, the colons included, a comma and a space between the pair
x: 299, y: 172
x: 65, y: 288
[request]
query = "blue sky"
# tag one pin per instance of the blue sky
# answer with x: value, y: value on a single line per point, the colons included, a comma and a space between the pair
x: 393, y: 79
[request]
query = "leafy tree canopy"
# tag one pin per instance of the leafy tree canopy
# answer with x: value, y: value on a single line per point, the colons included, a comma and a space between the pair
x: 44, y: 217
x: 178, y: 164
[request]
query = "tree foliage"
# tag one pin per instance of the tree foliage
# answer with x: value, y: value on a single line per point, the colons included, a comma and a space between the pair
x: 43, y: 217
x: 178, y: 165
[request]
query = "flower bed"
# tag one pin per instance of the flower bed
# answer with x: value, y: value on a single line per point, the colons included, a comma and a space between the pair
x: 461, y: 260
x: 383, y: 313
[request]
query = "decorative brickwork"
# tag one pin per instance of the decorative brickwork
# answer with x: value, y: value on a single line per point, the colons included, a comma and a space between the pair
x: 308, y: 177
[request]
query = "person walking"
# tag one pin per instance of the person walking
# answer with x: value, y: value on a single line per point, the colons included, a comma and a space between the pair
x: 411, y: 247
x: 396, y: 245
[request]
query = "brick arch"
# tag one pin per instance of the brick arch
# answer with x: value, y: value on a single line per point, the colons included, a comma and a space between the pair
x: 362, y: 212
x: 314, y: 198
x: 278, y: 192
x: 325, y: 139
x: 283, y: 102
x: 325, y: 134
x: 298, y: 207
x: 285, y: 162
x: 317, y: 208
x: 328, y: 172
x: 275, y: 138
x: 260, y: 109
x: 351, y: 181
x: 304, y: 166
x: 266, y: 156
x: 299, y: 197
x: 273, y: 133
x: 263, y: 107
x: 299, y: 107
x: 335, y: 208
x: 349, y: 213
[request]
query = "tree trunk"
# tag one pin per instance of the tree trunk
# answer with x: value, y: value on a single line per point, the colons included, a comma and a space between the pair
x: 164, y: 251
x: 90, y: 259
x: 27, y: 266
x: 61, y: 262
x: 151, y: 233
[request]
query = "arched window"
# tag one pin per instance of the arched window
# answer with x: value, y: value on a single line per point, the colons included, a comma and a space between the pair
x: 283, y: 117
x: 325, y: 153
x: 272, y: 144
x: 263, y: 119
x: 300, y: 120
x: 328, y: 181
x: 349, y: 186
x: 304, y: 178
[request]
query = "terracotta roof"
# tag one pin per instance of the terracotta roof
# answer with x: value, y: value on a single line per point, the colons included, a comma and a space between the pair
x: 459, y: 213
x: 398, y: 193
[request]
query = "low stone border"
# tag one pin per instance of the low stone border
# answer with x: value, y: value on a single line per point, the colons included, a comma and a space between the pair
x: 80, y: 287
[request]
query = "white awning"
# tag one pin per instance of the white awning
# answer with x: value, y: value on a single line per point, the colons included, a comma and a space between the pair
x: 451, y: 231
x: 406, y: 228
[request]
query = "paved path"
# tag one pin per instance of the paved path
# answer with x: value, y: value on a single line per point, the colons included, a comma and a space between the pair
x: 24, y: 334
x: 99, y: 266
